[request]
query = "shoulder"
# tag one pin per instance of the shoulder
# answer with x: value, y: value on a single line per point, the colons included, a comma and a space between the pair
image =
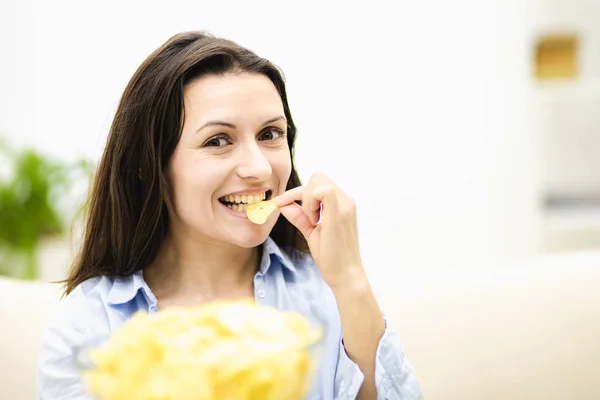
x: 80, y: 317
x: 80, y: 312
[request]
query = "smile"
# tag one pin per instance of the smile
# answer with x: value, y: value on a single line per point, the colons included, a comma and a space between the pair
x: 239, y: 202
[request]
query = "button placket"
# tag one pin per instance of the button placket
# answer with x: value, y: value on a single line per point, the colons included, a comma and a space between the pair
x: 259, y: 287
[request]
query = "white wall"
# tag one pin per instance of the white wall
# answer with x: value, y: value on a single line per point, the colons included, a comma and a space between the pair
x: 430, y: 100
x: 17, y: 68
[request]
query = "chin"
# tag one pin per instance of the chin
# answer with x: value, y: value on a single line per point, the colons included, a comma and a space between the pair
x: 252, y: 237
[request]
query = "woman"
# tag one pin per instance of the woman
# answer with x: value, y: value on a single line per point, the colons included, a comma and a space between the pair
x: 202, y: 129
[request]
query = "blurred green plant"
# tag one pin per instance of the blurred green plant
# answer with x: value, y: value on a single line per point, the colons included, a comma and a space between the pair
x: 30, y: 205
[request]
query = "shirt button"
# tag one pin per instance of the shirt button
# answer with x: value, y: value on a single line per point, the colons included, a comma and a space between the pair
x: 261, y: 293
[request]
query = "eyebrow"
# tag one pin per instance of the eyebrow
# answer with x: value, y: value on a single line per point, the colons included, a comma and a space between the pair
x: 232, y: 126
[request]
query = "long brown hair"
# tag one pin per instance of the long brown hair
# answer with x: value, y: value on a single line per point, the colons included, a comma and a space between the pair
x: 127, y: 219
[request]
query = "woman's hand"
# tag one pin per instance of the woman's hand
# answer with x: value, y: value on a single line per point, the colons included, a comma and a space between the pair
x: 333, y: 241
x: 334, y: 246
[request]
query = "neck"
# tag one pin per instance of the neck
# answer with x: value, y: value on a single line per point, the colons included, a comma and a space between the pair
x: 201, y: 270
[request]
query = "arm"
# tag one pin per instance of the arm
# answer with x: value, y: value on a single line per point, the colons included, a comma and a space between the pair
x: 58, y: 377
x: 374, y: 347
x: 57, y: 374
x: 363, y: 327
x: 327, y: 219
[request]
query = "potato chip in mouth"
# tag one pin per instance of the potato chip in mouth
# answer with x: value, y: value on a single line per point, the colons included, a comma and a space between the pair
x: 259, y: 212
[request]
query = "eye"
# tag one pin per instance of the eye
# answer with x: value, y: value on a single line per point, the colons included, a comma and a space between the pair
x: 218, y: 141
x: 271, y: 134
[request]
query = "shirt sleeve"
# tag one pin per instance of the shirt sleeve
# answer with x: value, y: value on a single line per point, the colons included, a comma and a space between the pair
x: 57, y: 374
x: 395, y: 378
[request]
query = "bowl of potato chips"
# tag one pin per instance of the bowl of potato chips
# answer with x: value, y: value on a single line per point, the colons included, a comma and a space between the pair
x: 223, y: 350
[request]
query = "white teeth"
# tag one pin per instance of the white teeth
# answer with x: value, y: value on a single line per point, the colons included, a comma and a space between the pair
x: 245, y: 198
x: 239, y: 207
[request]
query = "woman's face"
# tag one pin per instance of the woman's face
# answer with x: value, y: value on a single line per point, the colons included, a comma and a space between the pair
x: 233, y: 151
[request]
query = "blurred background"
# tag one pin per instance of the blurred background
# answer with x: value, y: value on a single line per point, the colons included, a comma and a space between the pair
x: 466, y: 130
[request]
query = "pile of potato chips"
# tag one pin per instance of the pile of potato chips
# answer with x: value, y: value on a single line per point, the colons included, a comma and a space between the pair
x: 223, y: 350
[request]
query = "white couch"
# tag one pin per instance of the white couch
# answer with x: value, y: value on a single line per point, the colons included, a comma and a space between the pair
x: 24, y: 309
x: 528, y: 331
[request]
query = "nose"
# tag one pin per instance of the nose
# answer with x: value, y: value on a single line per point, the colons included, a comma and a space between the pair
x: 253, y: 164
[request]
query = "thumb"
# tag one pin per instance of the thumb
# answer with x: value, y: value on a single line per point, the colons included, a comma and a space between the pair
x: 295, y: 214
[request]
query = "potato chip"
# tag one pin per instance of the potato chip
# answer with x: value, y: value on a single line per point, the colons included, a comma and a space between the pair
x: 259, y: 212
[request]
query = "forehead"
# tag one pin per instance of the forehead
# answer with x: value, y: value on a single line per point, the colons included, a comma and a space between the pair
x: 232, y: 96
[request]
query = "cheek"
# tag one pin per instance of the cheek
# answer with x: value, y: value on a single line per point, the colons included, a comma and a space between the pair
x: 194, y: 181
x: 281, y: 163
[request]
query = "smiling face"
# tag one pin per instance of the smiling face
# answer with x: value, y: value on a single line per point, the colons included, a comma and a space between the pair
x: 232, y: 151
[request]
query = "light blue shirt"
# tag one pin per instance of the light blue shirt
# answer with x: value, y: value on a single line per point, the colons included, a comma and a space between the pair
x: 101, y: 305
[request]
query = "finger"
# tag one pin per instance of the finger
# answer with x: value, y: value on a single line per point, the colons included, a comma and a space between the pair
x: 295, y: 214
x: 300, y: 193
x: 311, y: 205
x: 289, y: 196
x: 327, y: 195
x: 317, y: 200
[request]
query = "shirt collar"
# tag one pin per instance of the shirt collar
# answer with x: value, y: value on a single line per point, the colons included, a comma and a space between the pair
x: 126, y: 288
x: 270, y: 250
